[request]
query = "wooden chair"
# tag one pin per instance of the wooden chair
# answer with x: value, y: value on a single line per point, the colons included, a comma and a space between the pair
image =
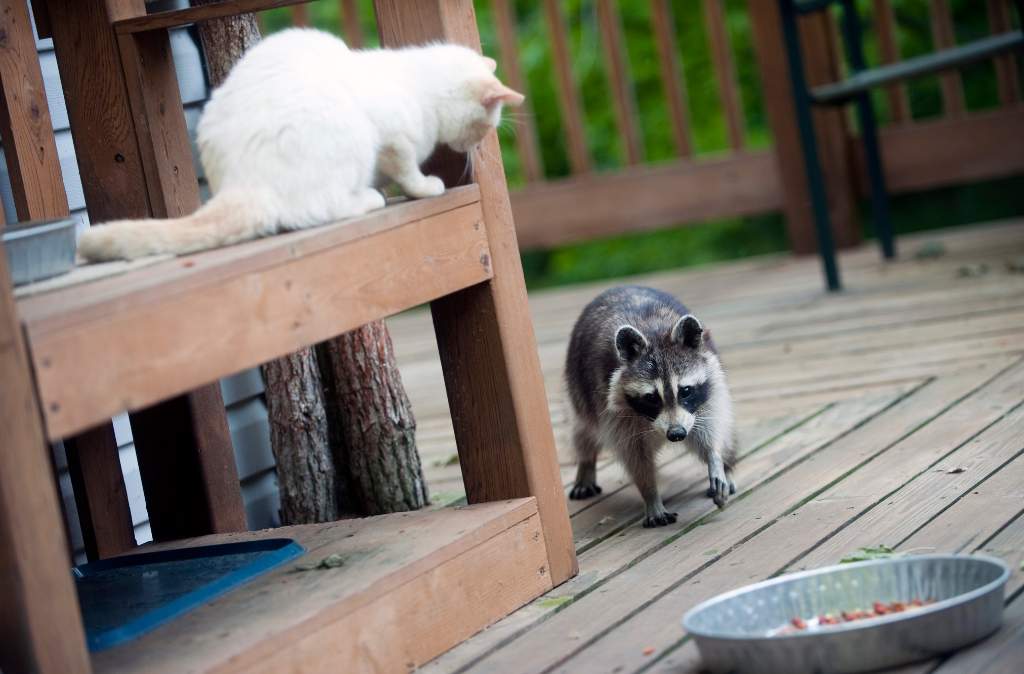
x: 73, y: 356
x: 857, y: 88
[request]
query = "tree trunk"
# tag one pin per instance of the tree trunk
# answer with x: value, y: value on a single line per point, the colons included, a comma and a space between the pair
x: 347, y: 410
x: 372, y: 422
x: 306, y: 473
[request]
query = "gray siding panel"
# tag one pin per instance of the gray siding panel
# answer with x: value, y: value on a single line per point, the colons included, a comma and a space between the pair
x: 243, y: 392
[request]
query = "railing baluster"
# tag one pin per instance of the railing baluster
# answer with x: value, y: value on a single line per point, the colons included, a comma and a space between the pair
x: 721, y: 56
x: 618, y: 72
x: 899, y: 104
x: 350, y: 26
x: 526, y: 131
x: 300, y: 16
x: 945, y: 37
x: 1006, y: 65
x: 568, y: 99
x: 671, y: 74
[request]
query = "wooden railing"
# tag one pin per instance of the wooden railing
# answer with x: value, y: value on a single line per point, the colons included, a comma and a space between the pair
x: 740, y: 179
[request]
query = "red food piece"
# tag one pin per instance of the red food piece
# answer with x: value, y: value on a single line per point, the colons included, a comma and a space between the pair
x: 880, y: 608
x: 916, y: 602
x: 897, y: 607
x: 799, y: 623
x: 649, y: 650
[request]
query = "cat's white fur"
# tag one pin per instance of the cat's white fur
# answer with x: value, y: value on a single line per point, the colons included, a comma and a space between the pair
x: 303, y: 129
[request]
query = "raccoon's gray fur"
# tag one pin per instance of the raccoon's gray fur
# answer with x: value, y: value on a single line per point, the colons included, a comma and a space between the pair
x: 641, y: 370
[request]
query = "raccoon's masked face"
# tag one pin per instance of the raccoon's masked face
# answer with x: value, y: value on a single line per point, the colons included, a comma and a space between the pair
x: 665, y: 382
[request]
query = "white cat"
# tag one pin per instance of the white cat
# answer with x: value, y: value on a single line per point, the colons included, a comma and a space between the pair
x: 303, y: 129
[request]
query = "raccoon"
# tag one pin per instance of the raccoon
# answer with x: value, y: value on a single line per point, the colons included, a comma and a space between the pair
x: 642, y: 371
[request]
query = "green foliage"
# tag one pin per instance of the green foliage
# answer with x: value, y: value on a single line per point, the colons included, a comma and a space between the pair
x: 711, y: 241
x: 867, y: 554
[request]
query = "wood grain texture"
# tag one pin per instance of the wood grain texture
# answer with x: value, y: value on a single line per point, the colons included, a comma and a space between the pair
x: 908, y: 333
x: 396, y: 268
x: 185, y: 441
x: 819, y: 56
x: 937, y: 153
x: 896, y: 94
x: 568, y: 98
x: 437, y: 565
x: 646, y: 197
x: 101, y: 502
x: 672, y: 78
x: 25, y: 128
x: 725, y: 71
x: 350, y: 23
x: 1007, y: 76
x: 300, y: 16
x: 944, y: 37
x: 137, y: 23
x: 40, y: 626
x: 617, y: 65
x: 38, y: 190
x: 502, y: 424
x: 526, y: 128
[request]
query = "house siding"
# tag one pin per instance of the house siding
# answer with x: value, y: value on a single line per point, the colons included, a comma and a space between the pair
x: 243, y: 393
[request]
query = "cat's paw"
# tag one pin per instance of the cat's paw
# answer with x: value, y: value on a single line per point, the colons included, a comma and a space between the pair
x: 370, y: 200
x: 430, y: 186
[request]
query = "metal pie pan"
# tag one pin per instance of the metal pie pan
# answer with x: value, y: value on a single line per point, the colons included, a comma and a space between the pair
x: 734, y: 630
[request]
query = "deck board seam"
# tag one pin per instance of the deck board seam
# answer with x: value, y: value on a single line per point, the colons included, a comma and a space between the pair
x: 670, y: 539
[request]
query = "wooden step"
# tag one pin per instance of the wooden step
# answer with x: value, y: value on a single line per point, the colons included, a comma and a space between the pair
x: 412, y: 585
x: 128, y: 341
x: 183, y: 17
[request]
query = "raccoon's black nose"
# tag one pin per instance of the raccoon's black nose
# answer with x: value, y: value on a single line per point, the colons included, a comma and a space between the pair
x: 676, y: 433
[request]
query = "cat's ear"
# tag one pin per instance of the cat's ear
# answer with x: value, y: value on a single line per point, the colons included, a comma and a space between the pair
x: 491, y: 63
x: 498, y: 93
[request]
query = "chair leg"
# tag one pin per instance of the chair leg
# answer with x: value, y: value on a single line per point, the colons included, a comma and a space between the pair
x: 876, y: 178
x: 809, y: 145
x: 853, y: 37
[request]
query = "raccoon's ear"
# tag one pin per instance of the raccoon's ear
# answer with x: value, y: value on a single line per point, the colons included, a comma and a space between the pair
x: 688, y: 331
x: 630, y: 343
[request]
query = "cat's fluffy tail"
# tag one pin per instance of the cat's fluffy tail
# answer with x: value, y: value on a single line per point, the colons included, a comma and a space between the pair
x: 229, y: 217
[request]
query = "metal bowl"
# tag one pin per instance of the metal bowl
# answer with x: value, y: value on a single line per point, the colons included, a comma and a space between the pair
x: 734, y: 630
x: 40, y: 249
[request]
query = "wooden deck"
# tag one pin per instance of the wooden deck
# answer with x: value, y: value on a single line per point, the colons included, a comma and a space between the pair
x: 890, y: 414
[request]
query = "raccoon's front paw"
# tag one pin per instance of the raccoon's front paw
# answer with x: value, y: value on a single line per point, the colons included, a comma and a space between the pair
x: 582, y: 490
x: 659, y: 518
x: 720, y: 490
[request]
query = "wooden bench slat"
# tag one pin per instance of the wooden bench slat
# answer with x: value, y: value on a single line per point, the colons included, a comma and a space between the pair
x: 129, y: 341
x: 979, y: 50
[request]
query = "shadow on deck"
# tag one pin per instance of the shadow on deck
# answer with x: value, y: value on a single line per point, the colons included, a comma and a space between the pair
x: 890, y: 413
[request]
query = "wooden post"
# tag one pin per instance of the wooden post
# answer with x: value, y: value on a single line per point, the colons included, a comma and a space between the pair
x: 136, y: 166
x: 40, y: 628
x: 484, y: 333
x: 38, y: 190
x: 820, y: 58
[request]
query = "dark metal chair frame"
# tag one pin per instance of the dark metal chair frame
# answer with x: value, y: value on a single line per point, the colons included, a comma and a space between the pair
x: 857, y: 89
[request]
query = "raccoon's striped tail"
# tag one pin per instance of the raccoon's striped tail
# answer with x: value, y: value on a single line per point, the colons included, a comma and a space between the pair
x: 231, y: 216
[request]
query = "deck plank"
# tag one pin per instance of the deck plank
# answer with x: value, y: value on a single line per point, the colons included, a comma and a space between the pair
x: 880, y: 515
x: 613, y: 558
x: 870, y: 392
x: 803, y: 527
